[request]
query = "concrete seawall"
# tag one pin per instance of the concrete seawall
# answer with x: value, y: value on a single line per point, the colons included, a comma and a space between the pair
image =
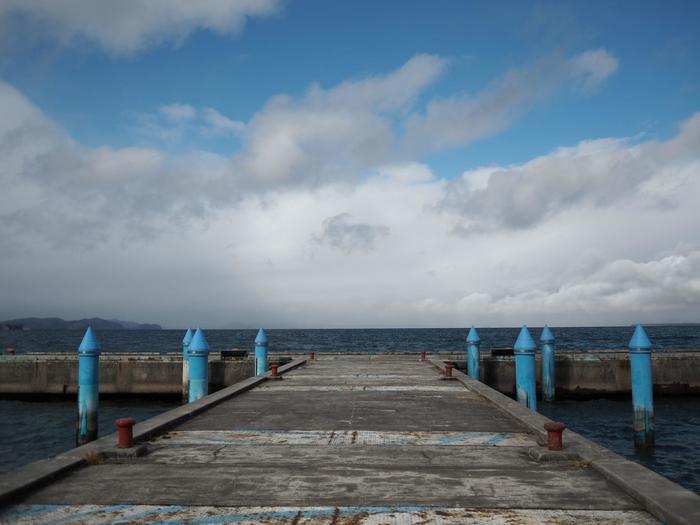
x: 578, y: 375
x: 122, y: 374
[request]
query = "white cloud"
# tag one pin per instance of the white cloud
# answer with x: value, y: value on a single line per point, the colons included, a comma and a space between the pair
x: 333, y: 134
x: 219, y: 123
x: 339, y: 133
x: 461, y: 119
x: 599, y: 232
x: 129, y: 26
x: 593, y: 67
x: 593, y: 174
x: 176, y: 123
x: 177, y: 112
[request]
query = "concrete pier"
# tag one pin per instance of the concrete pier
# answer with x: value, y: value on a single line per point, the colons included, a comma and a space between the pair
x: 346, y: 439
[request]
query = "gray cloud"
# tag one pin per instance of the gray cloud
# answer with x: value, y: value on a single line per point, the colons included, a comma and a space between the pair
x: 347, y: 236
x: 594, y: 174
x: 129, y: 26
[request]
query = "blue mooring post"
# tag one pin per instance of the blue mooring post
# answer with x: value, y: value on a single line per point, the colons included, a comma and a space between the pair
x: 88, y: 388
x: 548, y: 383
x: 198, y: 359
x: 185, y: 364
x: 473, y: 355
x: 524, y: 350
x: 642, y: 388
x: 260, y: 353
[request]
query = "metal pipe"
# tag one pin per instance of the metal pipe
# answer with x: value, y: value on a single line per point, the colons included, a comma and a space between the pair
x: 88, y: 388
x: 525, y: 386
x: 473, y: 354
x: 548, y: 381
x: 642, y: 388
x: 198, y: 357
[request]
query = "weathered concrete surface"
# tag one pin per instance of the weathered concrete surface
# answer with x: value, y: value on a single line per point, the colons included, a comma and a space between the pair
x: 18, y: 482
x: 31, y: 515
x: 364, y: 454
x: 668, y: 501
x: 577, y: 375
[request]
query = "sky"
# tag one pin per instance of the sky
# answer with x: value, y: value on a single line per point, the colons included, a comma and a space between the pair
x: 314, y: 164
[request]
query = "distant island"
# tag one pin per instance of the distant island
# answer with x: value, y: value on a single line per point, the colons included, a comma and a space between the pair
x: 55, y: 323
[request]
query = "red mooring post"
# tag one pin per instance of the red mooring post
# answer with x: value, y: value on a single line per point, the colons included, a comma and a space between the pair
x: 448, y: 370
x: 422, y: 356
x: 126, y: 431
x: 312, y: 355
x: 554, y: 432
x: 273, y: 369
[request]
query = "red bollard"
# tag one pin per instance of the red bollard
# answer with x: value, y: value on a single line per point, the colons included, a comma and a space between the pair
x: 554, y: 431
x: 448, y: 370
x: 273, y: 369
x: 422, y: 356
x: 312, y: 355
x: 126, y: 431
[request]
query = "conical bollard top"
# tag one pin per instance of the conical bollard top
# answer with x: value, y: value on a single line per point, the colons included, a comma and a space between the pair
x: 261, y: 338
x: 473, y: 336
x: 546, y: 336
x: 524, y: 342
x: 199, y: 342
x: 188, y: 337
x: 89, y: 344
x: 639, y: 339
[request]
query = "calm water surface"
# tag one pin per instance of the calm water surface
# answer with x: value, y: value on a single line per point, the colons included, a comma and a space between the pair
x: 338, y: 340
x: 609, y: 423
x: 35, y: 430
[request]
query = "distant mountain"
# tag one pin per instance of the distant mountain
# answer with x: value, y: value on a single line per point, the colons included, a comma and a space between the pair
x: 55, y: 323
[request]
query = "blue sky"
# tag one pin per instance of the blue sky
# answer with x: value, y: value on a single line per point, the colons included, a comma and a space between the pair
x: 96, y: 94
x: 262, y: 157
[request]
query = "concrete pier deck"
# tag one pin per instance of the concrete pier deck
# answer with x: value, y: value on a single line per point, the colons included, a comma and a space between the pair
x: 356, y: 439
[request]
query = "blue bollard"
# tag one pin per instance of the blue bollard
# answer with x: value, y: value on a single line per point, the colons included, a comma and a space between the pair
x: 260, y: 353
x: 185, y: 364
x: 548, y: 383
x: 198, y: 359
x: 642, y: 388
x: 88, y: 388
x: 473, y: 355
x: 525, y: 388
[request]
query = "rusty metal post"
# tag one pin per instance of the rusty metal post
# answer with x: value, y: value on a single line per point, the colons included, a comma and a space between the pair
x: 554, y: 432
x: 273, y: 370
x: 126, y: 431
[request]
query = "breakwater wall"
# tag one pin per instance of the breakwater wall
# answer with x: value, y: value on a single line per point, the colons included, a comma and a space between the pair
x: 577, y: 374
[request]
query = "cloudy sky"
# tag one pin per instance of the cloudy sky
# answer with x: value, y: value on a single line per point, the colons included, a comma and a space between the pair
x: 237, y: 163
